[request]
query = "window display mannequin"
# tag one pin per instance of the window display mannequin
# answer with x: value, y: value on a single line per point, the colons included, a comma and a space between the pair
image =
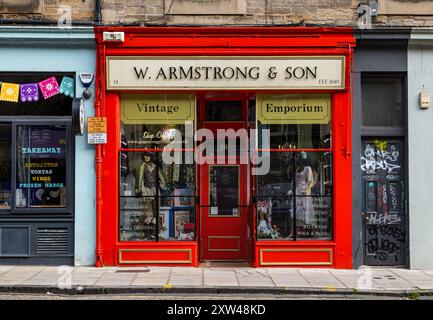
x: 145, y: 177
x: 145, y: 187
x: 304, y: 184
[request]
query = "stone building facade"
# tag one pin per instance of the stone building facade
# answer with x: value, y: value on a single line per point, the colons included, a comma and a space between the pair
x: 391, y: 13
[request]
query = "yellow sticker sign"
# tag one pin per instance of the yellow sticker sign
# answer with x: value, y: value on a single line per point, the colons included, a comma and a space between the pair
x: 157, y: 108
x: 96, y: 130
x: 96, y: 125
x: 293, y: 108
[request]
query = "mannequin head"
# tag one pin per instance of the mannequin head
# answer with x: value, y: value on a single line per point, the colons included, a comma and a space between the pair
x: 303, y: 160
x: 147, y: 157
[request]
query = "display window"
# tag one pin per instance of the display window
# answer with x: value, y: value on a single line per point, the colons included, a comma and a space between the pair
x: 157, y: 199
x: 41, y: 166
x: 294, y: 199
x: 35, y: 158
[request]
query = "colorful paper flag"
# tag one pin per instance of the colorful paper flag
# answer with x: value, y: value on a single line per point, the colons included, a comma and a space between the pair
x: 9, y: 92
x: 67, y: 87
x: 49, y: 87
x: 29, y: 92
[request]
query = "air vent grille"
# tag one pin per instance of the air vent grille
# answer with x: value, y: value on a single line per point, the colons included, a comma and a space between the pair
x: 52, y: 241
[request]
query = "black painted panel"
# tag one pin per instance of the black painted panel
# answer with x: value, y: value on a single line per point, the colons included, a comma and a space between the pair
x: 14, y: 241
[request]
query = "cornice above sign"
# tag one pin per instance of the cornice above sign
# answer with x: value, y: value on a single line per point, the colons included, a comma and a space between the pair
x: 225, y: 73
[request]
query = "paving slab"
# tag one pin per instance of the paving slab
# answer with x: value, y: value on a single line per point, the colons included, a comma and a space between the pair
x: 185, y: 281
x: 149, y: 281
x: 423, y: 285
x: 87, y: 281
x: 413, y: 275
x: 113, y: 283
x: 221, y: 282
x: 282, y: 282
x: 187, y: 270
x: 257, y: 279
x: 4, y: 269
x: 42, y: 282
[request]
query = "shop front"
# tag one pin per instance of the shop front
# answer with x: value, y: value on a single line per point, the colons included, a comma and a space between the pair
x: 46, y: 179
x: 224, y: 144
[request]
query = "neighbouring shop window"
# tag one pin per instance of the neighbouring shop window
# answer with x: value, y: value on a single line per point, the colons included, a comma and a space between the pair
x: 382, y: 101
x: 41, y: 166
x: 157, y: 199
x: 294, y: 199
x: 34, y: 166
x: 5, y: 165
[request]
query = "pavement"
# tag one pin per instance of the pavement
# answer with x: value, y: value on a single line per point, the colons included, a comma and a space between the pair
x: 215, y: 280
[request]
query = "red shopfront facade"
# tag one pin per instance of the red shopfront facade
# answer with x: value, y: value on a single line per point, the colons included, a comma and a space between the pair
x: 292, y: 81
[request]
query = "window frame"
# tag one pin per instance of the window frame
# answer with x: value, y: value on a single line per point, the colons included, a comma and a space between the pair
x: 391, y: 131
x: 13, y: 211
x: 293, y: 197
x: 158, y: 196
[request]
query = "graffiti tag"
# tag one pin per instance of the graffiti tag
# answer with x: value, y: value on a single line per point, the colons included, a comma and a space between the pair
x: 377, y: 159
x: 384, y: 218
x: 384, y: 241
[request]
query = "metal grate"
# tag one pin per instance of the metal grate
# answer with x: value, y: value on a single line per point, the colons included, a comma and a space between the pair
x: 52, y: 241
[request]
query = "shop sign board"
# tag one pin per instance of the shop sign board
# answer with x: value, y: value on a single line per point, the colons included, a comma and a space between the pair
x: 225, y: 73
x: 97, y: 130
x: 293, y: 108
x: 157, y: 108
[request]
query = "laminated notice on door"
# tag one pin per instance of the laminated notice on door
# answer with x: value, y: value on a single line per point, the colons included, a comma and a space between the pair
x: 235, y: 211
x: 214, y: 210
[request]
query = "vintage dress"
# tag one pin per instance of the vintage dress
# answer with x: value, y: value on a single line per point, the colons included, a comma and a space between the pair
x: 145, y: 179
x: 304, y: 205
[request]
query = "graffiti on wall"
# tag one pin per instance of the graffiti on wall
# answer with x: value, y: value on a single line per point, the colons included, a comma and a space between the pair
x: 383, y: 194
x: 385, y: 241
x: 377, y: 157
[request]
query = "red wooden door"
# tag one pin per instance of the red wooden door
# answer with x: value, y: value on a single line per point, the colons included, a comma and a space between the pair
x: 224, y: 211
x: 224, y: 183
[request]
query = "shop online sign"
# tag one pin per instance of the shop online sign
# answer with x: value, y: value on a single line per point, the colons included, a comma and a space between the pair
x: 225, y: 73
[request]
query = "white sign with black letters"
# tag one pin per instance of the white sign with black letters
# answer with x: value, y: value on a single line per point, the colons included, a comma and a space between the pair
x: 228, y: 73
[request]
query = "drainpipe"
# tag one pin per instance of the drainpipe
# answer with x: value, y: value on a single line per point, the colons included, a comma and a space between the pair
x: 99, y: 93
x: 98, y: 12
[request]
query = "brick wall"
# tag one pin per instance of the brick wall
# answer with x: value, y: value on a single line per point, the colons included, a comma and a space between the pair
x: 217, y: 12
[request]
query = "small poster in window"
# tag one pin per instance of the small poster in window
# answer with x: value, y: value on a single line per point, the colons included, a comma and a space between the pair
x: 214, y: 211
x: 180, y: 218
x: 164, y: 223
